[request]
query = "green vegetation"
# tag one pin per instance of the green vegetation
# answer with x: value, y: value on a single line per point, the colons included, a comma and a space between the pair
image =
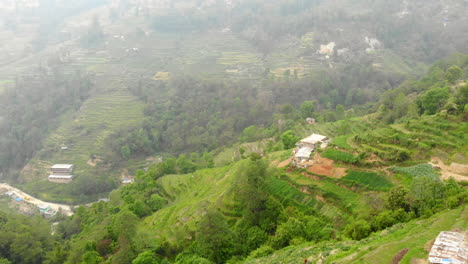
x: 202, y: 102
x: 419, y: 170
x: 371, y: 180
x: 380, y: 247
x: 341, y: 142
x: 339, y: 155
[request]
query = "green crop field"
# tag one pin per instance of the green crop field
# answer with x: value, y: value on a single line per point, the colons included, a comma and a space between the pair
x: 84, y: 134
x: 341, y: 142
x: 191, y: 195
x: 339, y: 155
x: 371, y: 180
x: 417, y: 170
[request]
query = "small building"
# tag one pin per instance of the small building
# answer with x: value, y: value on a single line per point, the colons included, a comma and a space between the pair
x: 301, y: 157
x: 61, y: 173
x: 304, y: 149
x: 60, y: 178
x: 127, y: 181
x: 313, y: 141
x: 310, y: 120
x: 62, y: 169
x: 450, y: 247
x: 43, y: 208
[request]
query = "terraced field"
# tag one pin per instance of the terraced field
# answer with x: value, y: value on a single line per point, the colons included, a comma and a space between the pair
x: 191, y: 195
x: 84, y: 133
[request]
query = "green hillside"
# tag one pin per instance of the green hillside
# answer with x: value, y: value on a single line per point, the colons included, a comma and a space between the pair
x: 382, y: 247
x: 84, y: 135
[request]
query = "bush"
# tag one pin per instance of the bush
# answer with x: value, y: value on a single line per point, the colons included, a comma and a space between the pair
x: 358, y: 230
x: 262, y: 251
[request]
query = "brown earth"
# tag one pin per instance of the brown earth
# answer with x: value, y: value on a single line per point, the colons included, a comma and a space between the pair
x: 324, y: 166
x: 428, y: 245
x: 284, y: 163
x: 454, y: 170
x: 399, y: 256
x: 419, y: 261
x: 320, y: 198
x: 93, y: 162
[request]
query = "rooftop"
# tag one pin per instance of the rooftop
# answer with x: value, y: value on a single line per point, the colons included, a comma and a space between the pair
x: 62, y: 166
x: 450, y: 247
x: 313, y: 139
x: 304, y: 152
x: 60, y: 176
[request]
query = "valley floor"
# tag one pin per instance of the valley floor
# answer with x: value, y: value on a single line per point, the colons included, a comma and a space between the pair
x: 65, y: 209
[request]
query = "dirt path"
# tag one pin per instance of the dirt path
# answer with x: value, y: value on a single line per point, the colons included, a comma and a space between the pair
x: 454, y: 170
x: 66, y: 209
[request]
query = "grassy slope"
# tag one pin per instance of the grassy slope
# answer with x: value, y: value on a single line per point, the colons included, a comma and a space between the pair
x: 84, y: 135
x: 191, y: 195
x: 380, y: 247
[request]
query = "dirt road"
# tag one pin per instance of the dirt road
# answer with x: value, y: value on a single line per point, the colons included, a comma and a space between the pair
x: 66, y: 209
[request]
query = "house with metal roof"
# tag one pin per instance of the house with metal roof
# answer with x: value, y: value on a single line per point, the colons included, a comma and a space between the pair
x: 304, y: 149
x: 450, y: 247
x: 313, y: 141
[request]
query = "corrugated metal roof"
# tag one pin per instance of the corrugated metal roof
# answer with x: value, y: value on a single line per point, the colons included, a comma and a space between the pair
x: 60, y: 176
x: 304, y: 152
x: 62, y: 166
x: 450, y: 247
x: 313, y: 139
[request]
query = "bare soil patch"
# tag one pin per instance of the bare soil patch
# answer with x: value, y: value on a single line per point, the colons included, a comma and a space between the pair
x: 284, y: 163
x: 455, y: 170
x: 428, y: 245
x: 399, y: 256
x: 93, y: 162
x: 320, y: 198
x: 324, y: 166
x: 419, y: 261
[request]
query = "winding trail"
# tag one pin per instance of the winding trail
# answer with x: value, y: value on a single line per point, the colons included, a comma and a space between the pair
x: 65, y: 209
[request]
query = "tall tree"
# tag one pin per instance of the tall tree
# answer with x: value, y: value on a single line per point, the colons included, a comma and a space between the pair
x: 214, y: 236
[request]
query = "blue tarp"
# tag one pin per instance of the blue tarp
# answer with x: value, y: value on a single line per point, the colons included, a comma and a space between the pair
x: 18, y: 199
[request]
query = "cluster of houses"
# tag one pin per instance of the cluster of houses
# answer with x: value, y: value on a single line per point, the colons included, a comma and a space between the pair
x: 450, y: 247
x: 305, y: 147
x: 44, y: 209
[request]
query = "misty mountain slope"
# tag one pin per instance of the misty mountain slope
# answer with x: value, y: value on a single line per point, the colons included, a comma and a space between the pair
x: 335, y: 52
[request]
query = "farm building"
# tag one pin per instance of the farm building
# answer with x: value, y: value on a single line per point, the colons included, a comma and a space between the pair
x: 310, y: 120
x: 304, y: 149
x: 43, y: 208
x: 302, y: 156
x: 61, y: 173
x: 450, y: 247
x: 313, y: 141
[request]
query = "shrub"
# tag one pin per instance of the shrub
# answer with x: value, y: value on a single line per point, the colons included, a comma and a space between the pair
x: 262, y: 251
